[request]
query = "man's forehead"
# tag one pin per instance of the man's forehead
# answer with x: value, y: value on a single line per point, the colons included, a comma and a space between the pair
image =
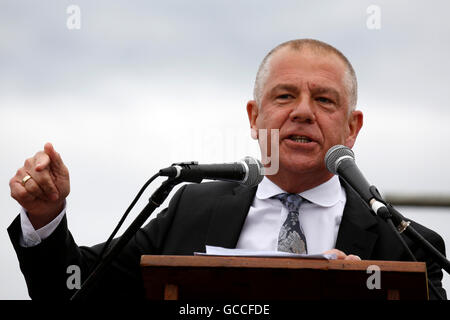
x: 307, y: 52
x: 286, y: 58
x: 290, y: 63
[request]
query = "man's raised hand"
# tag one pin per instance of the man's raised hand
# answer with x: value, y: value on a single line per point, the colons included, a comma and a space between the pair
x: 43, y: 195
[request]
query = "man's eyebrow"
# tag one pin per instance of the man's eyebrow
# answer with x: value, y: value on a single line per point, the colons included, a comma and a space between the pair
x: 319, y: 90
x: 286, y: 87
x: 314, y: 90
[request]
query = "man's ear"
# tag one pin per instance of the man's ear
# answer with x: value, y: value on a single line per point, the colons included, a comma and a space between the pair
x: 355, y: 123
x: 252, y: 112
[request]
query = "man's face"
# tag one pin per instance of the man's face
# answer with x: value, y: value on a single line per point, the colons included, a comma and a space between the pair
x: 306, y: 98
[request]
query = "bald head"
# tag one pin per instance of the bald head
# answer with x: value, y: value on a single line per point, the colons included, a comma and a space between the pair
x: 317, y: 47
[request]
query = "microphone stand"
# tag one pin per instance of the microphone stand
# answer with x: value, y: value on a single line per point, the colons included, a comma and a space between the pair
x: 155, y: 201
x: 389, y: 213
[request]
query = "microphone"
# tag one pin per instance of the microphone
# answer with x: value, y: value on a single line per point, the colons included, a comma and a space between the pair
x: 248, y: 172
x: 340, y: 160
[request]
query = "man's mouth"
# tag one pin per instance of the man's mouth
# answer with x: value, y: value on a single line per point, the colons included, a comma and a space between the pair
x: 299, y: 139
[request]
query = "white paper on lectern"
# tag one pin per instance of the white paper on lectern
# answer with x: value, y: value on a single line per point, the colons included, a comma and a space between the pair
x: 219, y: 251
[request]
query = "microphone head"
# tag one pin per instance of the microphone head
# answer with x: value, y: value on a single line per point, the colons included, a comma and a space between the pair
x: 335, y: 155
x: 254, y: 174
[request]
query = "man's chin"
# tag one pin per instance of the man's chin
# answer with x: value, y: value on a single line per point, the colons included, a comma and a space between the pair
x: 301, y: 165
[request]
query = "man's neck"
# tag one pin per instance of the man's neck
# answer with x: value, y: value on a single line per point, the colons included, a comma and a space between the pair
x: 297, y: 183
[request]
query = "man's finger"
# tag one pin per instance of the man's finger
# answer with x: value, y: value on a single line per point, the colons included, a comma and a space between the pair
x: 339, y: 254
x: 352, y: 257
x: 18, y: 190
x: 42, y: 161
x: 55, y: 158
x: 45, y: 181
x: 20, y: 194
x: 33, y: 188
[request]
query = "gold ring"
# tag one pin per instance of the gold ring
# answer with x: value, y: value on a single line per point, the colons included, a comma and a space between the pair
x: 25, y: 179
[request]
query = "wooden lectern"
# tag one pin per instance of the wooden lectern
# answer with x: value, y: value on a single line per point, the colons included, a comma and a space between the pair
x: 258, y: 278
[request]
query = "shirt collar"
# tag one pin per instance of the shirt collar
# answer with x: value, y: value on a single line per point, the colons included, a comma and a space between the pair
x: 326, y: 194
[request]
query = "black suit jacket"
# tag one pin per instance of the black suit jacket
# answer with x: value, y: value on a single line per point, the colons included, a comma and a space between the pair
x: 198, y: 215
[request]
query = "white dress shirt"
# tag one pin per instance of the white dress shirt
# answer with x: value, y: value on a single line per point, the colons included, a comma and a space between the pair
x: 31, y: 237
x: 320, y: 219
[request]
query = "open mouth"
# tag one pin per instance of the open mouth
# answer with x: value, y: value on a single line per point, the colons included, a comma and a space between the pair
x: 300, y: 139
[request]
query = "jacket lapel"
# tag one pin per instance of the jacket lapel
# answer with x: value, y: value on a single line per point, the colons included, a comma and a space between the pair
x: 354, y: 236
x: 229, y: 216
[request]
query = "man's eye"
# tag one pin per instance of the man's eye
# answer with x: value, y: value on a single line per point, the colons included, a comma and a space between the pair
x: 285, y: 96
x: 324, y: 100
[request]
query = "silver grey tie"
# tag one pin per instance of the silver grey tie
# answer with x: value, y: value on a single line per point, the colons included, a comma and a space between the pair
x: 291, y: 237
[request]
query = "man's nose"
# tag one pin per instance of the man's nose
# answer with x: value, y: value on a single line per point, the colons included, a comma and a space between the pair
x: 303, y: 111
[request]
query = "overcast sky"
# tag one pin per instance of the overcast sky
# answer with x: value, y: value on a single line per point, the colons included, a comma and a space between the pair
x: 143, y: 84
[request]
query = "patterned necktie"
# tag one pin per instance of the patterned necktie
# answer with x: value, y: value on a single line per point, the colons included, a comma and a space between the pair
x: 291, y: 237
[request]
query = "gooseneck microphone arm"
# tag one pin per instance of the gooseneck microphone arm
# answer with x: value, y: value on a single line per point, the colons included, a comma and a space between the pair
x: 385, y: 213
x: 340, y: 160
x: 404, y: 226
x: 155, y: 201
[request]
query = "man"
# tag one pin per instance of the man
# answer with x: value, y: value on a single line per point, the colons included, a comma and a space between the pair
x: 304, y: 88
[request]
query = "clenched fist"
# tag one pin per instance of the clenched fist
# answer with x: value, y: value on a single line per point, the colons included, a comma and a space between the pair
x: 43, y: 194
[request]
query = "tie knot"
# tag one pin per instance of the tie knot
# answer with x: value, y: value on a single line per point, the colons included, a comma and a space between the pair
x: 291, y: 201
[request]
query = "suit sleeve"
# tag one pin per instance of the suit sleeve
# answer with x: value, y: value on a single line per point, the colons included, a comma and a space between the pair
x: 434, y: 270
x: 45, y: 266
